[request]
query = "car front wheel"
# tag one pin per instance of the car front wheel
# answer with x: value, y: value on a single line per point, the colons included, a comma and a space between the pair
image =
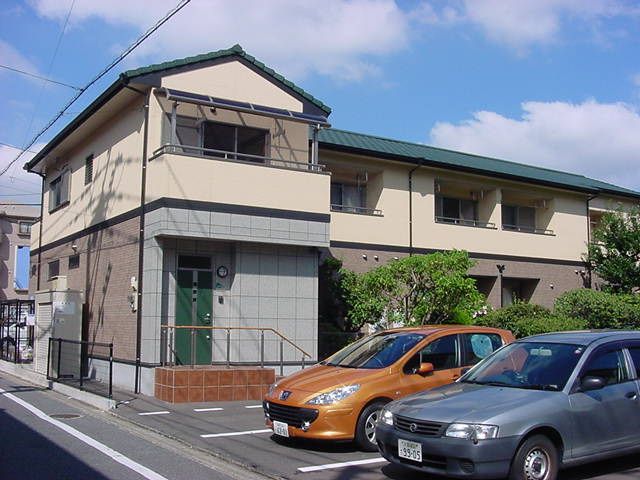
x: 366, y: 427
x: 536, y: 459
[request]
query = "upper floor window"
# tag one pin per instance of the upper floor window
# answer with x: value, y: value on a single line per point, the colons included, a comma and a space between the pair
x: 54, y: 269
x: 88, y: 170
x: 518, y: 218
x: 59, y: 190
x: 457, y: 211
x: 348, y: 198
x: 21, y: 268
x: 24, y: 228
x: 246, y: 143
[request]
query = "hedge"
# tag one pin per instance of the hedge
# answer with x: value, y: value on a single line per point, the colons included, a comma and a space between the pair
x: 524, y: 319
x: 600, y: 309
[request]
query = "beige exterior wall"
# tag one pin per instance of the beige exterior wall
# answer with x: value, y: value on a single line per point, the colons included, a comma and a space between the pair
x: 562, y: 212
x: 604, y: 203
x: 211, y: 180
x: 233, y: 81
x: 115, y: 189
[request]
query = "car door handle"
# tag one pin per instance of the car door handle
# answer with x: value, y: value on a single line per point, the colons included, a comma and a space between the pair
x: 631, y: 395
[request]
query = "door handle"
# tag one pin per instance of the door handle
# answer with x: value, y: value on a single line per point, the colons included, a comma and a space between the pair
x: 631, y: 395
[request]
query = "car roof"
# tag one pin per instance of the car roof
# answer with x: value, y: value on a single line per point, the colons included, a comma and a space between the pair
x: 583, y: 337
x: 431, y: 329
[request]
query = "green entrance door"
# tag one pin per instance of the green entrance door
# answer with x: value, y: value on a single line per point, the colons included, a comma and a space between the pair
x: 194, y: 307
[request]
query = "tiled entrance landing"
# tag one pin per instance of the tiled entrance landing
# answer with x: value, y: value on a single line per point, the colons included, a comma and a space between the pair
x: 212, y: 383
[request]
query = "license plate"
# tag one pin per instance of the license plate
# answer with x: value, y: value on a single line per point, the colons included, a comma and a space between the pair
x: 281, y: 428
x: 410, y: 450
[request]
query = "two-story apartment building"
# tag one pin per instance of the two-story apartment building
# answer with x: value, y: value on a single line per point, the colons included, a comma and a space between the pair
x: 15, y: 244
x: 206, y: 191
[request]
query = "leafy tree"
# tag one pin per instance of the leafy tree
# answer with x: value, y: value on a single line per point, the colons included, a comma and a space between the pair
x: 414, y: 290
x: 600, y: 309
x: 614, y: 253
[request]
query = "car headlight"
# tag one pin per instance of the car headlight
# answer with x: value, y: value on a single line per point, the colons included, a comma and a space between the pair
x: 470, y: 431
x: 386, y: 417
x: 272, y: 389
x: 334, y: 396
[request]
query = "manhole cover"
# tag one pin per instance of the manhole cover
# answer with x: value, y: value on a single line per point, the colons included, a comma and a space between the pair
x: 65, y: 415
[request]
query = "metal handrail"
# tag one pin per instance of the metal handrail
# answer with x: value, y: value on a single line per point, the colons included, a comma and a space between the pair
x: 526, y: 229
x: 464, y: 222
x: 193, y: 328
x: 358, y: 210
x: 237, y: 157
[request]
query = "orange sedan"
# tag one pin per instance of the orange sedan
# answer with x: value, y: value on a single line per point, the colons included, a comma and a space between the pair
x: 340, y: 398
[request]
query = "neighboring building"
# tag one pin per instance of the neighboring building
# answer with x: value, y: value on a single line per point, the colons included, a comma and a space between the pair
x: 211, y: 187
x: 15, y: 245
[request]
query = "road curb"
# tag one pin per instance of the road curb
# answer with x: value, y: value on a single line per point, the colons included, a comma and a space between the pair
x: 27, y: 374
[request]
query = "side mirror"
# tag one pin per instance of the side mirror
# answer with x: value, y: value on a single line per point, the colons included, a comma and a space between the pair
x: 589, y: 383
x: 425, y: 368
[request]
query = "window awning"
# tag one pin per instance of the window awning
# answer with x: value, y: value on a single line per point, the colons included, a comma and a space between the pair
x: 198, y: 99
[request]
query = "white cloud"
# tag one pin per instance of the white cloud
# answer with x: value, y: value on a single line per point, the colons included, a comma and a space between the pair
x: 13, y: 58
x: 16, y: 182
x: 338, y: 38
x: 599, y: 140
x: 522, y: 24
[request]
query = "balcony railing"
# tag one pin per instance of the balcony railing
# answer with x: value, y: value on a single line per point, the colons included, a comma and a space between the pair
x: 236, y: 157
x: 465, y: 222
x: 357, y: 210
x: 527, y: 229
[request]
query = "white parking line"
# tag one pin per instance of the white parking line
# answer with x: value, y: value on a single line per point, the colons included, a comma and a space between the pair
x: 162, y: 412
x: 101, y: 447
x: 212, y: 409
x: 341, y: 465
x: 253, y: 406
x: 234, y: 434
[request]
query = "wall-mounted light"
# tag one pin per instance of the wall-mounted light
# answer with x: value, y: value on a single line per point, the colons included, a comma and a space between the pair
x: 396, y: 258
x: 500, y: 268
x: 551, y: 286
x: 375, y: 257
x: 74, y: 247
x: 364, y: 256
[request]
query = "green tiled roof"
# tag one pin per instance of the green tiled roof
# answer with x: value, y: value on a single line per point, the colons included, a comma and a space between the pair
x: 439, y: 157
x: 236, y: 50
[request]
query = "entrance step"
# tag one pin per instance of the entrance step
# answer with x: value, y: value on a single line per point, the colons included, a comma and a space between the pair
x: 210, y: 383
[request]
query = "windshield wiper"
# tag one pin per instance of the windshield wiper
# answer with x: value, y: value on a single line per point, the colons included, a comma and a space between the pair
x: 547, y: 387
x: 499, y: 384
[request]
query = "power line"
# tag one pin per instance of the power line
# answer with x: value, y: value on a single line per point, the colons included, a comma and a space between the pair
x: 53, y: 59
x: 38, y: 76
x: 16, y: 148
x: 109, y: 67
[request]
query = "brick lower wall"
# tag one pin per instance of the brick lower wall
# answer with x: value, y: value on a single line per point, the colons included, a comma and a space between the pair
x: 554, y: 278
x: 108, y: 260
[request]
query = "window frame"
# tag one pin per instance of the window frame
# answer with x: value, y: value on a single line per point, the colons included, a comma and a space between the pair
x: 72, y: 265
x: 518, y: 227
x: 235, y: 153
x: 49, y: 267
x: 439, y: 211
x: 64, y: 180
x: 21, y: 223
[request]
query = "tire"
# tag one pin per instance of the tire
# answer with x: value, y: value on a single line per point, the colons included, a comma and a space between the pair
x: 365, y: 428
x: 535, y: 459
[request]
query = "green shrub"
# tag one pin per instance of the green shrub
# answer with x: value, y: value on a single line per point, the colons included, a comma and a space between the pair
x: 600, y: 309
x: 524, y: 319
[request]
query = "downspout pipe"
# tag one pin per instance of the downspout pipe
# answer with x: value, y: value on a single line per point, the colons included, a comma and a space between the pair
x: 143, y: 188
x: 411, y: 205
x: 589, y: 198
x: 40, y: 228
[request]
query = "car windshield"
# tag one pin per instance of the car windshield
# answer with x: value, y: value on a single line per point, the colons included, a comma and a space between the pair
x: 532, y: 365
x: 376, y: 351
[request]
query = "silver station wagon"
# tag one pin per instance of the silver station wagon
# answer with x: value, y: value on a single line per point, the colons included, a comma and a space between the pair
x: 532, y: 407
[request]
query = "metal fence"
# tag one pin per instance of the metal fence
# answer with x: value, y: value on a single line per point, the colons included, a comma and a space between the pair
x: 16, y: 337
x: 209, y: 345
x: 84, y: 365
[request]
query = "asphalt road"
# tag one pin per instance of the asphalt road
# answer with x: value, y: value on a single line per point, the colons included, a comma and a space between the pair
x: 236, y: 431
x: 44, y: 435
x: 146, y: 438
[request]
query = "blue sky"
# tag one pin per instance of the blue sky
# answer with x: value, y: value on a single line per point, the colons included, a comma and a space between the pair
x: 554, y: 83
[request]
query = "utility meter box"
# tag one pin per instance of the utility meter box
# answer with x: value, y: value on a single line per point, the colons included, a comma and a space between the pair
x: 59, y: 317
